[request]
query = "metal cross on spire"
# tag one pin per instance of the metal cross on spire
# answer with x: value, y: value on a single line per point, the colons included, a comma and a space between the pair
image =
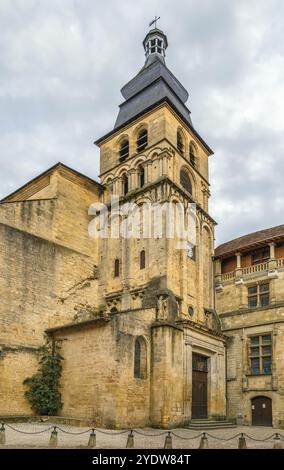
x: 154, y: 21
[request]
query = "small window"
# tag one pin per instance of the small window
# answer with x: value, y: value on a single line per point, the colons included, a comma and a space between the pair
x: 192, y: 155
x: 116, y: 267
x: 124, y: 150
x: 260, y: 354
x: 185, y: 181
x: 258, y: 296
x: 140, y: 358
x: 142, y: 140
x: 142, y: 259
x: 180, y: 145
x: 141, y: 176
x: 125, y: 184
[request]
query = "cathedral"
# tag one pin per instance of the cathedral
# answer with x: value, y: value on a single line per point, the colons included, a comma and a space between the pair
x: 150, y: 331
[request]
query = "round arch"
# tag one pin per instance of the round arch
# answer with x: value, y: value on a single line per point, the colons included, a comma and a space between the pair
x: 186, y: 180
x: 122, y: 170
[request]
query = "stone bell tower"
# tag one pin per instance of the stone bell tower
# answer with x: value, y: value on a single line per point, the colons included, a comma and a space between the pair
x: 155, y: 155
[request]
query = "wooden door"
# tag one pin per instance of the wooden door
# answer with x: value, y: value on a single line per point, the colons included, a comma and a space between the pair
x: 261, y: 411
x: 199, y: 387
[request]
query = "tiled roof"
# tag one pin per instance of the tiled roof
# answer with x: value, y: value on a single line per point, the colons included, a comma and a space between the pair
x: 250, y: 240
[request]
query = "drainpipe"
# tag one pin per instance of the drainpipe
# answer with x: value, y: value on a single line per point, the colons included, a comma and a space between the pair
x: 226, y: 381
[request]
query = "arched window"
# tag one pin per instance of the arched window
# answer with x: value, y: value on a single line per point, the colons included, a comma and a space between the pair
x: 116, y: 267
x: 142, y: 140
x: 140, y: 358
x: 141, y: 176
x: 124, y: 150
x: 125, y: 185
x: 142, y: 259
x: 113, y: 310
x: 180, y: 145
x: 192, y: 155
x: 185, y: 181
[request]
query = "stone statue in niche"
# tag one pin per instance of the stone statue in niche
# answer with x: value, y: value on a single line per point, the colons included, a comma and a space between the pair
x: 162, y: 313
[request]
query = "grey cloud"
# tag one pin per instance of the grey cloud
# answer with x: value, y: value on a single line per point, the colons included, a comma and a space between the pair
x: 63, y: 63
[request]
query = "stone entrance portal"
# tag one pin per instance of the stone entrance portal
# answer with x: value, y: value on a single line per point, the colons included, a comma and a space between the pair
x: 199, y: 387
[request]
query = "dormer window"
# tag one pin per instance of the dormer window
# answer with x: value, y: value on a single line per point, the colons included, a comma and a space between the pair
x: 142, y: 140
x: 124, y: 150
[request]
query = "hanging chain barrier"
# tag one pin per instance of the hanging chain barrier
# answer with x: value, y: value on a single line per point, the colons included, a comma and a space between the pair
x: 275, y: 437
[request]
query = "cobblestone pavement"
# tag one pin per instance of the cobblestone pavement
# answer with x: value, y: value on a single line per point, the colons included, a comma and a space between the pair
x: 110, y: 439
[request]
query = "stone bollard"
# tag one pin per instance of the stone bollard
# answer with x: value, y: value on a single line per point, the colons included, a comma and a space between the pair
x: 130, y: 440
x: 203, y: 442
x: 53, y: 438
x: 2, y: 435
x: 168, y: 441
x: 92, y: 439
x: 242, y: 442
x: 277, y: 442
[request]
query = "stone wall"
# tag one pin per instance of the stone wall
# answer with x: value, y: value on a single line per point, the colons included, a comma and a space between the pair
x: 46, y: 278
x: 98, y: 380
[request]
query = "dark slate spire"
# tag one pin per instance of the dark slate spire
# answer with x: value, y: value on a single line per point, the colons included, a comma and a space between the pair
x: 153, y: 84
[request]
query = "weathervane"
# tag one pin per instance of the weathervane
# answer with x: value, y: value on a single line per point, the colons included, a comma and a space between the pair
x: 154, y: 21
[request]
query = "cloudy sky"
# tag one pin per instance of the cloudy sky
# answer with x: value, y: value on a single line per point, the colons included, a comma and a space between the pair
x: 62, y: 64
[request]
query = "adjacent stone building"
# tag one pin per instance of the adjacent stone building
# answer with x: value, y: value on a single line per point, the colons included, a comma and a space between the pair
x: 249, y: 278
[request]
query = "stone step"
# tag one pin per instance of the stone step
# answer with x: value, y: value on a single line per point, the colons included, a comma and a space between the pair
x: 209, y: 421
x: 200, y: 424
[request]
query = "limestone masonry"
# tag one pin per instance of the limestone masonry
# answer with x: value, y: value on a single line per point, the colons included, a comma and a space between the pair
x: 151, y: 335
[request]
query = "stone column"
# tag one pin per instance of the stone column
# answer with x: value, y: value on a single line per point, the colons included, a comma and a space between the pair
x: 238, y: 256
x: 160, y: 166
x: 187, y: 381
x: 218, y: 272
x: 165, y: 164
x: 132, y: 180
x: 116, y: 186
x: 238, y: 270
x: 272, y: 250
x: 272, y: 271
x: 147, y: 172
